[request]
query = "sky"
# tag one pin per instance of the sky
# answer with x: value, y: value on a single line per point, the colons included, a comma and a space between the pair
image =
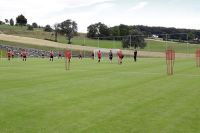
x: 167, y: 13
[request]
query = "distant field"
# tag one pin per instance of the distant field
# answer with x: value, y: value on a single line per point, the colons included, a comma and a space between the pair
x: 96, y: 43
x: 160, y: 46
x: 39, y: 96
x: 152, y: 45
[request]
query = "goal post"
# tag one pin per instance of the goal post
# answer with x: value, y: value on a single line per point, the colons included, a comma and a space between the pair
x: 105, y: 52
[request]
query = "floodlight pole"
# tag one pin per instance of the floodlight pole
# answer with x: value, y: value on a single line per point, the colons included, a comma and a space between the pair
x: 1, y: 51
x: 130, y: 42
x: 1, y: 54
x: 187, y: 44
x: 166, y: 41
x: 98, y: 42
x: 113, y: 42
x: 84, y: 41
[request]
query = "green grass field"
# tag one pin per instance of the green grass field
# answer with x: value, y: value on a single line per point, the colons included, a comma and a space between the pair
x: 160, y: 46
x: 39, y: 96
x: 152, y: 45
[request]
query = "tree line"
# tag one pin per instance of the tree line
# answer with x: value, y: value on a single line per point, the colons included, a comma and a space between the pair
x: 134, y: 35
x: 101, y: 30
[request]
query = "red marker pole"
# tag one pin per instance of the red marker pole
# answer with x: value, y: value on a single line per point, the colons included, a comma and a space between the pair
x: 1, y: 54
x: 198, y: 57
x: 170, y: 58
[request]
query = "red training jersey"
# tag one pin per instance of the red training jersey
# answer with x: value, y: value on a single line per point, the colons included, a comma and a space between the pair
x: 99, y: 54
x: 24, y: 53
x: 68, y: 54
x: 9, y: 54
x: 51, y: 53
x: 119, y: 54
x: 198, y: 53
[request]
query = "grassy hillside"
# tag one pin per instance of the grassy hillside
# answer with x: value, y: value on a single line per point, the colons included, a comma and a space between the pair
x: 23, y: 45
x: 22, y: 31
x: 39, y: 96
x: 152, y: 45
x: 40, y: 34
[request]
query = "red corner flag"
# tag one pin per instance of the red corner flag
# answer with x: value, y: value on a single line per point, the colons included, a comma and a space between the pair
x: 170, y: 57
x: 198, y: 57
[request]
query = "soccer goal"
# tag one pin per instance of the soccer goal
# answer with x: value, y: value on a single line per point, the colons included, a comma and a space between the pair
x: 105, y: 52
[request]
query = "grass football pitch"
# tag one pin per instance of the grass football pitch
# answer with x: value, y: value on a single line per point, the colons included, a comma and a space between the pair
x: 39, y: 96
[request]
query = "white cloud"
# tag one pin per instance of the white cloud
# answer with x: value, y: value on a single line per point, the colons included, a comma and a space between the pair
x: 139, y: 6
x: 81, y: 3
x: 104, y: 6
x: 110, y: 12
x: 51, y: 11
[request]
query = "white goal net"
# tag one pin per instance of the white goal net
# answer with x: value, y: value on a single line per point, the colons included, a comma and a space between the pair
x: 105, y: 52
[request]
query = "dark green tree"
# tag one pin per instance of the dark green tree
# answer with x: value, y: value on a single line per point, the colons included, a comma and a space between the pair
x: 35, y: 25
x: 92, y: 31
x: 11, y: 22
x: 135, y: 40
x: 115, y: 31
x: 123, y: 30
x: 21, y: 20
x: 69, y: 29
x: 1, y: 22
x: 29, y: 27
x: 56, y: 30
x: 191, y: 35
x: 6, y: 21
x: 48, y: 28
x: 98, y: 30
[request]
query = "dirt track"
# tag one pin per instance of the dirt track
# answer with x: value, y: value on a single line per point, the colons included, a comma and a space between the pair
x: 40, y: 42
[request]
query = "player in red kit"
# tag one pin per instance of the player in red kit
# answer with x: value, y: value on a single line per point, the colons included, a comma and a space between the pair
x: 120, y: 56
x: 42, y: 55
x: 92, y: 55
x: 99, y: 54
x: 68, y: 57
x: 59, y: 55
x: 12, y: 54
x: 80, y: 55
x: 24, y: 55
x: 21, y: 54
x: 9, y: 54
x: 51, y: 55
